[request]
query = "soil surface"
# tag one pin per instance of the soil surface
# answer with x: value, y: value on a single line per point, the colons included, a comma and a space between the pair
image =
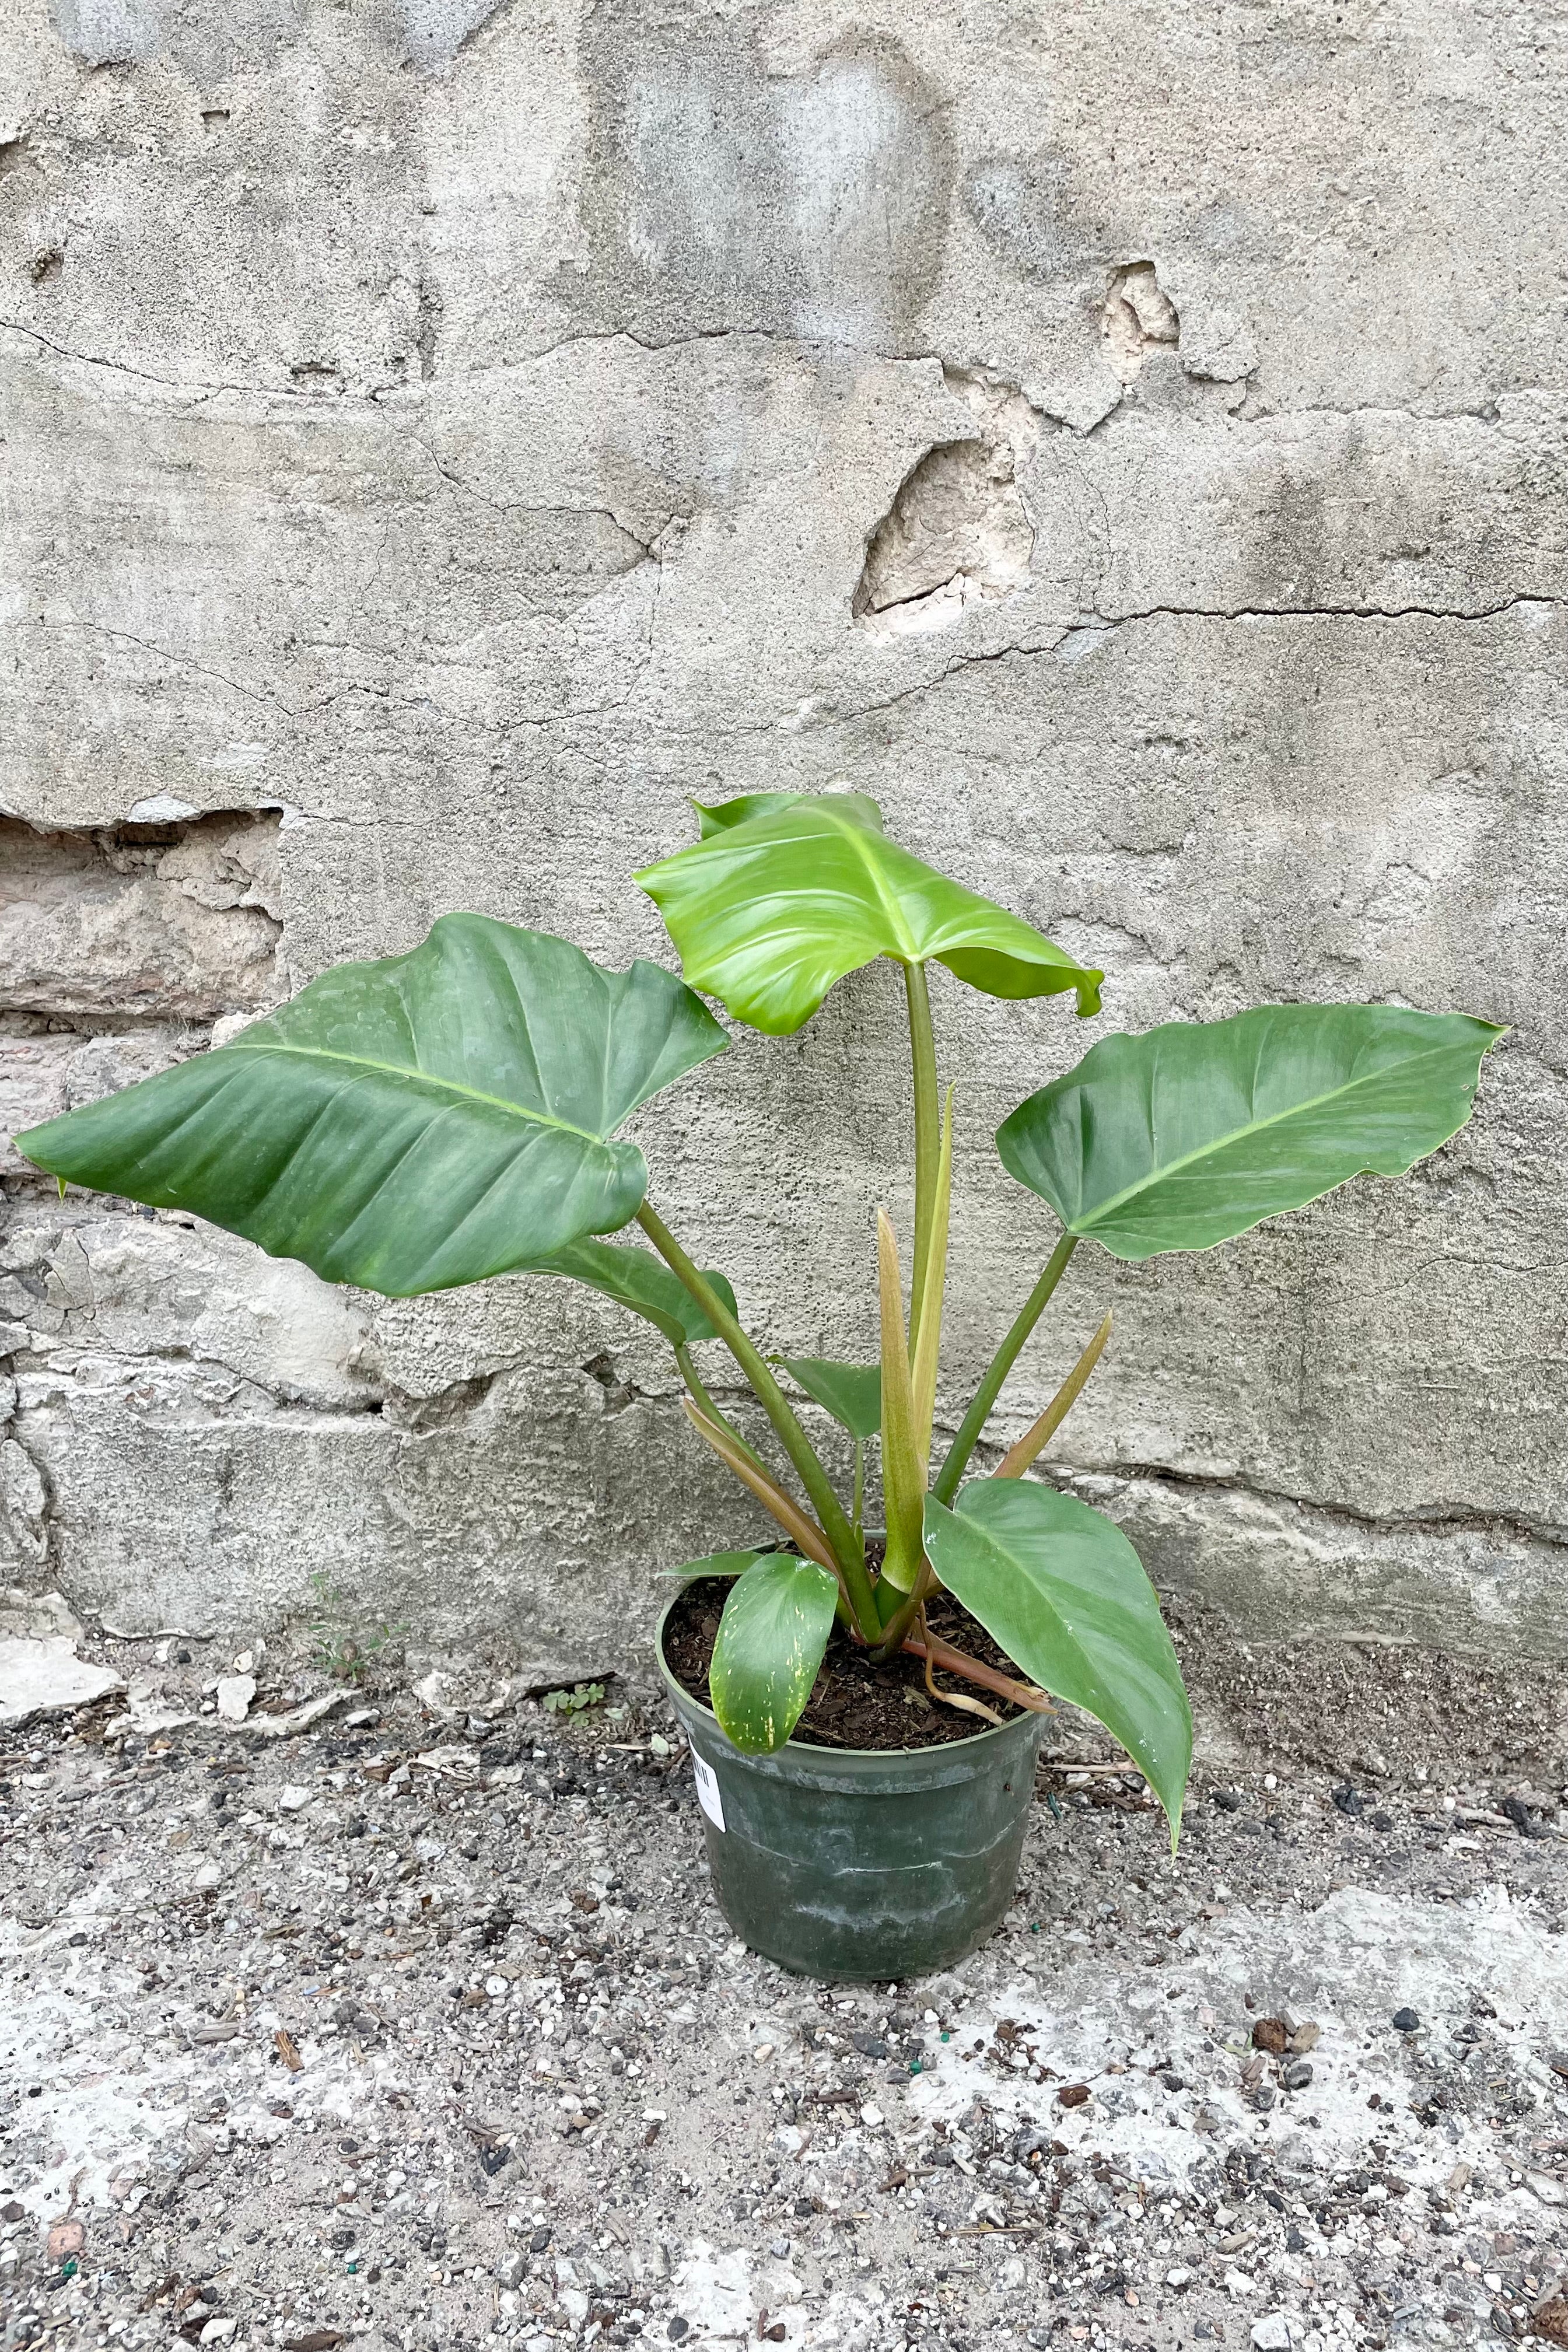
x: 855, y: 1703
x: 417, y: 2031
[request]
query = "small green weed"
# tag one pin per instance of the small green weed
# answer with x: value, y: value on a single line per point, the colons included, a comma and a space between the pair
x: 337, y: 1650
x: 573, y: 1702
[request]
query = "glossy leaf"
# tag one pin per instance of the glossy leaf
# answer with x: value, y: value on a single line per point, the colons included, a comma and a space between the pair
x: 635, y: 1278
x: 771, y: 1641
x: 718, y: 816
x: 412, y: 1124
x: 1063, y: 1591
x: 788, y: 891
x: 718, y: 1563
x: 1192, y: 1133
x: 852, y: 1394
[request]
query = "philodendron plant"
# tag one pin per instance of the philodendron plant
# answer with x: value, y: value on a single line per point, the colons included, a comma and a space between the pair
x: 453, y: 1114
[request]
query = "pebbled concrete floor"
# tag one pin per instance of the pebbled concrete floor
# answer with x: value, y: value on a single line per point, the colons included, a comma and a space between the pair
x: 417, y: 2028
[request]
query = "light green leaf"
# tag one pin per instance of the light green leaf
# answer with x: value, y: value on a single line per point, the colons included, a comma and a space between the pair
x: 1063, y: 1591
x: 635, y: 1278
x: 771, y: 1637
x: 1187, y: 1136
x: 852, y: 1394
x: 788, y: 891
x: 412, y: 1124
x: 718, y: 1563
x: 717, y: 816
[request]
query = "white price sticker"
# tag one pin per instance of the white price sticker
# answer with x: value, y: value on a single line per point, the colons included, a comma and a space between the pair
x: 708, y: 1796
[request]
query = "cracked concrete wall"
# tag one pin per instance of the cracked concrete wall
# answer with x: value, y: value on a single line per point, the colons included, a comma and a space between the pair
x: 1129, y: 440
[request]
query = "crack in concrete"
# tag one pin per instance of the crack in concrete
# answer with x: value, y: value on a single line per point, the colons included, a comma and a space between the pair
x: 509, y: 509
x: 200, y: 388
x: 196, y: 388
x: 46, y: 1519
x: 1488, y: 414
x: 1107, y: 624
x: 1441, y: 1518
x: 407, y: 1413
x: 1318, y: 612
x: 168, y: 654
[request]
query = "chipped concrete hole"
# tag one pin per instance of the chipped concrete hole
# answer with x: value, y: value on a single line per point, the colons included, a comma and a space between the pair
x: 958, y: 532
x: 619, y: 1393
x: 123, y: 949
x: 1137, y: 318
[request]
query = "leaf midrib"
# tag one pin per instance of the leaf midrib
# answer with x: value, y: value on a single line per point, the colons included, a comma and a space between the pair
x: 855, y: 835
x: 1030, y: 946
x: 419, y: 1077
x: 1254, y: 1127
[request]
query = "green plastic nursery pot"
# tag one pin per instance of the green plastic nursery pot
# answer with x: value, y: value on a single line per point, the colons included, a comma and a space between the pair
x: 861, y: 1862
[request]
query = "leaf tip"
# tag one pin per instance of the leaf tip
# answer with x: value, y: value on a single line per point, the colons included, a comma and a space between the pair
x: 1088, y: 994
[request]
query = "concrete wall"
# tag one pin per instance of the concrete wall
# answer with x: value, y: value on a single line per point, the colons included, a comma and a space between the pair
x: 1128, y: 439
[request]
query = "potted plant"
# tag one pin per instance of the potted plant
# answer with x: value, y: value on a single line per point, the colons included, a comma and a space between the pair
x: 454, y: 1114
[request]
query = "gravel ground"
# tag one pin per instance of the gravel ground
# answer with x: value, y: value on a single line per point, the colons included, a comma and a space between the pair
x: 415, y: 2027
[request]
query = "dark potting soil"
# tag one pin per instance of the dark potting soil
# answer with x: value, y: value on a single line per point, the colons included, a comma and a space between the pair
x: 853, y: 1703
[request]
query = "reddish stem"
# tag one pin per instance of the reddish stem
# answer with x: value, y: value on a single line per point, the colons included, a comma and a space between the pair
x: 958, y: 1662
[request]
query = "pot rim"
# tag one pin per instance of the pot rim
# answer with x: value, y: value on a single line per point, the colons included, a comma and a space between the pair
x: 953, y: 1748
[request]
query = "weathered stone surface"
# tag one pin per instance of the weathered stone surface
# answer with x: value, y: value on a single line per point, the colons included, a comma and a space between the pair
x: 47, y: 1677
x: 24, y: 1503
x: 151, y: 922
x: 1132, y: 446
x: 45, y: 1070
x: 120, y: 948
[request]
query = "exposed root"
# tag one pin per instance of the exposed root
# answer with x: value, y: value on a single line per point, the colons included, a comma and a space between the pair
x: 953, y: 1698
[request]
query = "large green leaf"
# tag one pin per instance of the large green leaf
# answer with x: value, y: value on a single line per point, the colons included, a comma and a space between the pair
x: 772, y: 1636
x: 412, y: 1124
x: 852, y: 1394
x: 788, y: 891
x: 1064, y: 1593
x: 717, y: 1563
x: 1182, y: 1138
x: 635, y: 1278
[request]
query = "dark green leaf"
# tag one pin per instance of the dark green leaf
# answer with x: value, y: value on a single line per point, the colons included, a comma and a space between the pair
x: 718, y: 1563
x: 413, y: 1124
x: 1182, y: 1138
x: 788, y: 891
x: 852, y: 1394
x: 772, y: 1636
x: 1063, y: 1591
x: 635, y: 1278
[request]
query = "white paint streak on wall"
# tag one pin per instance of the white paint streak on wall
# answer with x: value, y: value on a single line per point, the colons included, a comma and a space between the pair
x: 110, y: 32
x: 435, y: 29
x: 860, y: 165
